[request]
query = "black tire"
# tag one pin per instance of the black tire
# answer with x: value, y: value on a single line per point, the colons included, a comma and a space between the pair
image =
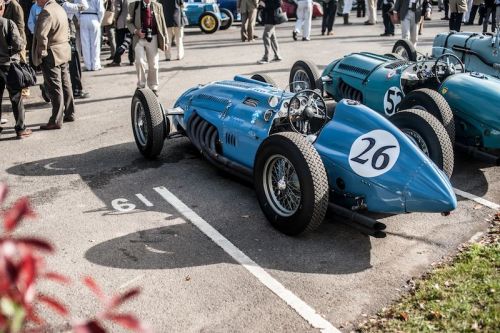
x: 427, y: 128
x: 311, y: 72
x: 311, y: 176
x: 228, y: 23
x: 203, y: 24
x: 406, y: 46
x: 264, y: 78
x: 150, y: 143
x: 434, y: 103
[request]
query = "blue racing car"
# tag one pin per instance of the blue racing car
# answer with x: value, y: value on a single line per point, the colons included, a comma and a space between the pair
x: 302, y: 153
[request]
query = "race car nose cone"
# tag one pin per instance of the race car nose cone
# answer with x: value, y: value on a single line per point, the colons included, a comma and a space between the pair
x: 430, y: 192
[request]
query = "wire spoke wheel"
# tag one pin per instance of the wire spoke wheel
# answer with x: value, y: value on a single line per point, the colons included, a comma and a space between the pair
x: 281, y: 185
x: 140, y: 123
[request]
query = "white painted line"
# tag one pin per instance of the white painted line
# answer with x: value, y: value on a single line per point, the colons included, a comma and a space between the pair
x: 144, y: 200
x: 303, y: 309
x: 128, y: 283
x: 477, y: 199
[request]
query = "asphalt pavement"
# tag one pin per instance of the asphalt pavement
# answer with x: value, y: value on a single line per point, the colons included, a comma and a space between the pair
x: 101, y: 204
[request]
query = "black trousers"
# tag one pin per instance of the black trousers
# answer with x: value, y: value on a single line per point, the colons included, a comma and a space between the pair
x: 456, y: 21
x: 361, y: 9
x: 16, y: 100
x: 493, y: 12
x: 75, y: 70
x: 446, y: 7
x: 58, y: 84
x: 389, y: 27
x: 120, y: 37
x: 329, y: 11
x: 472, y: 15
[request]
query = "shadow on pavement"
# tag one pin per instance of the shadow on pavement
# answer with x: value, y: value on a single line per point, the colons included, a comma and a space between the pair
x: 332, y: 249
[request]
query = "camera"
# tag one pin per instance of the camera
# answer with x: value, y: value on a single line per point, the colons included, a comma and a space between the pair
x: 148, y: 34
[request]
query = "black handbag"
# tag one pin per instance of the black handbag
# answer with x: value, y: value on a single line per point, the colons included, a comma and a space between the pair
x: 21, y: 75
x: 280, y: 16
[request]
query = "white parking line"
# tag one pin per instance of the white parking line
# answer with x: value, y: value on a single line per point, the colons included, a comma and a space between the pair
x: 303, y: 309
x: 477, y: 199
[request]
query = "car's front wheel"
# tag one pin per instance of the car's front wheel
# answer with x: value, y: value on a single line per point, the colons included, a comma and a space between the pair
x: 291, y: 183
x: 264, y: 78
x: 209, y: 22
x: 227, y: 24
x: 428, y: 134
x: 148, y: 123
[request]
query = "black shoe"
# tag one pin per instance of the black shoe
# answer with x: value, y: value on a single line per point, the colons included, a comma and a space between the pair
x: 294, y: 35
x: 445, y: 18
x: 113, y: 64
x: 385, y: 34
x: 304, y: 39
x: 81, y: 95
x: 69, y: 119
x: 277, y: 58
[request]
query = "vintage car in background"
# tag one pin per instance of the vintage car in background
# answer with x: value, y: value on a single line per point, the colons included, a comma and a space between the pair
x: 465, y: 104
x: 302, y: 153
x: 479, y: 52
x: 229, y: 7
x: 206, y: 15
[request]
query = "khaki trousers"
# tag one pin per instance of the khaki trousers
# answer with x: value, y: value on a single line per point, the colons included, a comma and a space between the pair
x: 248, y: 24
x: 372, y: 11
x: 147, y: 57
x: 178, y: 34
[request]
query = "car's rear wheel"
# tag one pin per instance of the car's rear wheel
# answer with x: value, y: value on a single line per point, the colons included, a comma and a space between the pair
x: 405, y: 49
x: 264, y: 78
x: 425, y: 131
x: 431, y: 101
x: 227, y: 24
x: 304, y: 75
x: 148, y: 123
x: 291, y: 183
x: 209, y: 22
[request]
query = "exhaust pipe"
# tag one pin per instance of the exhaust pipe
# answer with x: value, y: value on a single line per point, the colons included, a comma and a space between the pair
x: 361, y: 222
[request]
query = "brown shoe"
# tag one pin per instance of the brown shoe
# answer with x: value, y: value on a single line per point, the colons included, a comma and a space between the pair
x: 50, y: 126
x: 24, y: 133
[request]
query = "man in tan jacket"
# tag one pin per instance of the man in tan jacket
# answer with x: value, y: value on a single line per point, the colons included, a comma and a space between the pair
x: 248, y: 11
x: 51, y: 49
x: 146, y: 23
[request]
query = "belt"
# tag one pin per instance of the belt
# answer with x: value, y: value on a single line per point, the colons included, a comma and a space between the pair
x: 88, y: 13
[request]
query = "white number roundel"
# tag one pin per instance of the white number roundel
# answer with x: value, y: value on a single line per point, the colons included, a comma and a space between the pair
x: 374, y: 153
x: 392, y: 98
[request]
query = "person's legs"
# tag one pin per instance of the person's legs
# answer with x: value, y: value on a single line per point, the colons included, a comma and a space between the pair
x: 16, y: 99
x: 458, y: 21
x: 3, y: 74
x: 69, y: 104
x: 252, y: 16
x: 405, y: 27
x: 111, y: 39
x: 75, y: 71
x: 413, y: 28
x: 179, y: 37
x: 487, y: 19
x: 307, y: 20
x: 153, y: 58
x: 326, y: 15
x: 244, y: 20
x: 140, y: 64
x: 301, y: 13
x: 85, y: 34
x: 494, y: 18
x: 52, y: 79
x: 274, y: 43
x: 333, y: 12
x: 372, y: 11
x: 266, y: 38
x: 446, y: 8
x: 467, y: 13
x: 120, y: 37
x: 95, y: 44
x: 472, y: 14
x: 168, y: 46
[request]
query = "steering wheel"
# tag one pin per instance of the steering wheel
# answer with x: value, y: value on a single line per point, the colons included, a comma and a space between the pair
x: 307, y: 112
x: 443, y: 65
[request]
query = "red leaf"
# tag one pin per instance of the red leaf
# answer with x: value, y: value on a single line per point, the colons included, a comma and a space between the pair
x: 118, y: 300
x: 36, y: 243
x: 4, y: 190
x: 54, y: 304
x: 20, y: 209
x: 27, y: 272
x: 89, y: 327
x: 92, y: 285
x: 125, y: 320
x: 56, y: 277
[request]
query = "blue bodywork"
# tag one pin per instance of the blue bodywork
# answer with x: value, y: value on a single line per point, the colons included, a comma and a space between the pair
x: 195, y: 8
x: 230, y: 5
x: 479, y: 52
x: 368, y: 78
x: 413, y: 183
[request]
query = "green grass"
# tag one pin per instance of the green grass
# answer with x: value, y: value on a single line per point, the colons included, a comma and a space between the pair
x: 463, y: 296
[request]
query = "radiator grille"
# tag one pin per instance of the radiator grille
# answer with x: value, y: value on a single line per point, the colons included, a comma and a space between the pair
x: 231, y: 139
x: 349, y: 92
x: 354, y: 69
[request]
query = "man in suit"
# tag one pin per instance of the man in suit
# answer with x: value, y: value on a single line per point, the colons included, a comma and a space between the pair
x: 11, y: 45
x: 52, y: 51
x: 121, y: 12
x: 146, y: 23
x: 409, y: 13
x: 248, y: 11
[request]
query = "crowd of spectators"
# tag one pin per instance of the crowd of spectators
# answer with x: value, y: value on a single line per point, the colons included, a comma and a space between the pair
x: 52, y: 35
